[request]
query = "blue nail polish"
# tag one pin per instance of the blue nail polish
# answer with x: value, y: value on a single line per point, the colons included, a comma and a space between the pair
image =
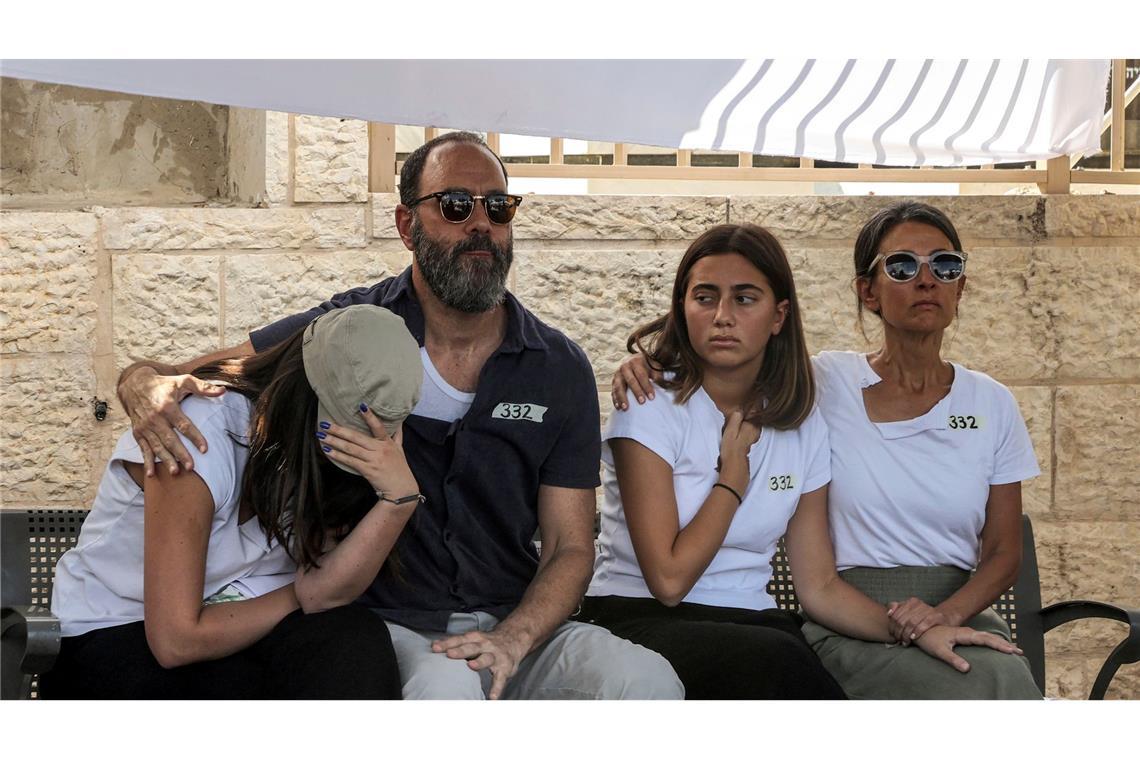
x: 325, y: 448
x: 364, y: 407
x: 320, y: 435
x: 324, y: 425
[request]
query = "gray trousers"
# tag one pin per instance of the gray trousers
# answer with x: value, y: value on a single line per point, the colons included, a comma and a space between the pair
x: 578, y: 661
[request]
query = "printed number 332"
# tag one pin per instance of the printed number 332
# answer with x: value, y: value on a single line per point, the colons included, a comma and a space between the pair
x: 963, y: 423
x: 509, y: 411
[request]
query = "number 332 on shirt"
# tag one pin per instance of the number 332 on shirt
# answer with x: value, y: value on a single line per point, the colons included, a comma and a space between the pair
x: 511, y: 411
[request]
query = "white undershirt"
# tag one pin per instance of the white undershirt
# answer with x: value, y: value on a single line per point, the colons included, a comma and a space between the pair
x: 438, y: 399
x: 914, y: 492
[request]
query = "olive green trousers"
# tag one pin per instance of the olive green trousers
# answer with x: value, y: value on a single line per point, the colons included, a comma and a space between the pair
x: 874, y: 670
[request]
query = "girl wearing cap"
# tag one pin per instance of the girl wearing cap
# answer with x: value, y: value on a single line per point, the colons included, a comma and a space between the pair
x: 927, y: 459
x: 197, y: 585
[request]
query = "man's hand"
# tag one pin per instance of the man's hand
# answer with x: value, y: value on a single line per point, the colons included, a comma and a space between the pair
x: 940, y: 641
x: 910, y: 619
x: 633, y: 376
x: 152, y: 402
x: 498, y: 650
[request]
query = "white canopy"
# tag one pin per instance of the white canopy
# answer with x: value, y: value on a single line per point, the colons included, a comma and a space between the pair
x: 891, y: 112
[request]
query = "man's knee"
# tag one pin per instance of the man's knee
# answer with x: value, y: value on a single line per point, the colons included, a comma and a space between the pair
x: 435, y: 676
x: 641, y: 673
x: 614, y: 668
x: 429, y: 675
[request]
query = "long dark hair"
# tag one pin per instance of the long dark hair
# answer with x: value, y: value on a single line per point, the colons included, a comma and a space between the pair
x: 784, y: 390
x: 298, y: 496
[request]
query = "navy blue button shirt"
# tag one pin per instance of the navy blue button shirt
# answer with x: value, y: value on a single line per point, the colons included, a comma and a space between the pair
x: 534, y: 421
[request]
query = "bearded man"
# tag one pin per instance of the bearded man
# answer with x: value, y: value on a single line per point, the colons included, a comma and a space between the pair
x: 505, y: 439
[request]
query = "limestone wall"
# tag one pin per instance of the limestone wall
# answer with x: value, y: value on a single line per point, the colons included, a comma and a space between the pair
x: 72, y: 145
x: 1050, y: 309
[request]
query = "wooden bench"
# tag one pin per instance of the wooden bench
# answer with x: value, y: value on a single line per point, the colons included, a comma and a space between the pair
x: 33, y: 540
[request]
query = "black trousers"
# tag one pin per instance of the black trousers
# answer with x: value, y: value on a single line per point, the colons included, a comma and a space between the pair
x: 342, y: 653
x: 720, y: 652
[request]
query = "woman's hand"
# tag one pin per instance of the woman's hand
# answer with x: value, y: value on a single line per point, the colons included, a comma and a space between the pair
x: 379, y: 457
x: 633, y: 376
x: 909, y: 620
x: 735, y: 442
x: 940, y: 641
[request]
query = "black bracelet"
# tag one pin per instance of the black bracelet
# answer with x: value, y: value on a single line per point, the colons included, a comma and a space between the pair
x: 731, y: 490
x: 416, y: 497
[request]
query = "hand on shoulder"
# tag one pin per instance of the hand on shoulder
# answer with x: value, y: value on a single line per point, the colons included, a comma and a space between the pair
x: 153, y: 402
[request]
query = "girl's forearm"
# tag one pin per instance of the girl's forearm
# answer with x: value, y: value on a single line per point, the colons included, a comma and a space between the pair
x: 348, y: 569
x: 220, y: 629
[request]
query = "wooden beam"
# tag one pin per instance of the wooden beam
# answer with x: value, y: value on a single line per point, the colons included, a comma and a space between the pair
x: 1116, y: 153
x: 556, y: 156
x: 775, y: 174
x: 807, y: 163
x: 381, y: 157
x: 745, y: 160
x: 430, y: 133
x: 1105, y: 177
x: 684, y: 158
x: 1130, y: 95
x: 1057, y: 173
x: 493, y: 142
x: 621, y: 154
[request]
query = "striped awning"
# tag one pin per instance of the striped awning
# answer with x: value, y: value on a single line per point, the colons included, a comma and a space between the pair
x: 887, y: 112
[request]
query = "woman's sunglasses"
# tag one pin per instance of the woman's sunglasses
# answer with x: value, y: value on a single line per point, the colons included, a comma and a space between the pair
x: 903, y: 266
x: 456, y: 206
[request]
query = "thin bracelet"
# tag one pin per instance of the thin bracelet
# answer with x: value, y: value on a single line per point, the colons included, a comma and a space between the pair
x: 731, y: 490
x: 416, y: 497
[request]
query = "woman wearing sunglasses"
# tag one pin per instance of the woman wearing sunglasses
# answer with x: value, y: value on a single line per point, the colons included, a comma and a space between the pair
x: 927, y: 459
x: 200, y: 585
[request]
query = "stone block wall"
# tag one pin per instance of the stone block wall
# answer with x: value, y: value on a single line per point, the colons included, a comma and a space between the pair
x: 1050, y: 309
x: 72, y: 145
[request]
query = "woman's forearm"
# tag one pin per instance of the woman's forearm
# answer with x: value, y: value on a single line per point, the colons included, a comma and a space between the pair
x: 220, y: 629
x: 844, y: 609
x: 995, y: 574
x: 348, y: 569
x: 693, y: 549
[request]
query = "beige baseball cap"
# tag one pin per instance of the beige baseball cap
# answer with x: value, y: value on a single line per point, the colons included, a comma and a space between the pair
x: 362, y: 354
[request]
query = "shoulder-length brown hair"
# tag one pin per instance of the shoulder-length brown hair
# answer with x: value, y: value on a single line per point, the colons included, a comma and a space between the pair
x: 784, y: 390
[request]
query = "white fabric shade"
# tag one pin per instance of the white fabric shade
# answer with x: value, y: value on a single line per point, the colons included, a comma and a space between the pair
x: 890, y: 112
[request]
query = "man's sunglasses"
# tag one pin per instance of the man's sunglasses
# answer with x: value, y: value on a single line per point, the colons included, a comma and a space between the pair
x: 456, y: 206
x: 903, y: 266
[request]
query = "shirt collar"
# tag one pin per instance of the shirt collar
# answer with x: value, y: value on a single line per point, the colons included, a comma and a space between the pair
x: 938, y: 418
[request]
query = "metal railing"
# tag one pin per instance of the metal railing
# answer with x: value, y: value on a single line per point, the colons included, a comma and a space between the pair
x: 1054, y: 176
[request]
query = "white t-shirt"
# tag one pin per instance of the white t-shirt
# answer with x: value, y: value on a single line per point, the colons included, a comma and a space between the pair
x: 99, y: 583
x: 914, y: 492
x: 783, y: 465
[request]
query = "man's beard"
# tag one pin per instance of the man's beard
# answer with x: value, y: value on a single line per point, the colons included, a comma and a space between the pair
x: 465, y: 283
